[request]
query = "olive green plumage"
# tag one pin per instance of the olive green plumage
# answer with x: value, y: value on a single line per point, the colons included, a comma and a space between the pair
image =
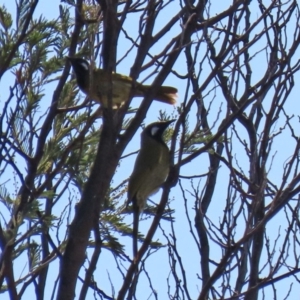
x: 98, y: 86
x: 150, y: 170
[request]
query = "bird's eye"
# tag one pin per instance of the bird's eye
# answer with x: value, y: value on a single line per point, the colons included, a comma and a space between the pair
x: 154, y: 130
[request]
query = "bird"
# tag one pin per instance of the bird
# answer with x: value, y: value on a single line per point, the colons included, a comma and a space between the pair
x: 150, y: 171
x: 98, y: 88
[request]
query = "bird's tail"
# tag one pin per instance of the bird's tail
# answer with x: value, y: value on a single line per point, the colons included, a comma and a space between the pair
x: 166, y: 94
x: 135, y: 230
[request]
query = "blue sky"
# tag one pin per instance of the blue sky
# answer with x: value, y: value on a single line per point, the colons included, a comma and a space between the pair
x: 186, y: 244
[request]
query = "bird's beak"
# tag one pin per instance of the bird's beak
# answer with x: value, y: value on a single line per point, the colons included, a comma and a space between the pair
x: 70, y: 59
x: 170, y: 122
x: 165, y: 124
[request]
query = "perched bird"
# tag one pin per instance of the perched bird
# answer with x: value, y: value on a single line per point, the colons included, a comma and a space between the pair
x: 150, y: 171
x: 99, y: 87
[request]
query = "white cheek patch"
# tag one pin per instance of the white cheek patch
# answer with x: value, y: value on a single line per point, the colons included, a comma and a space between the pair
x: 154, y: 130
x: 85, y: 66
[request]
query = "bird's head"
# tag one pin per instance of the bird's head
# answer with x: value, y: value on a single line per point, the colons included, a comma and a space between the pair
x: 81, y: 66
x: 156, y: 130
x: 81, y: 69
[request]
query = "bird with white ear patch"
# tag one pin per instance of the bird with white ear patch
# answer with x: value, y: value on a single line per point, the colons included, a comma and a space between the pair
x: 98, y: 84
x: 150, y: 171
